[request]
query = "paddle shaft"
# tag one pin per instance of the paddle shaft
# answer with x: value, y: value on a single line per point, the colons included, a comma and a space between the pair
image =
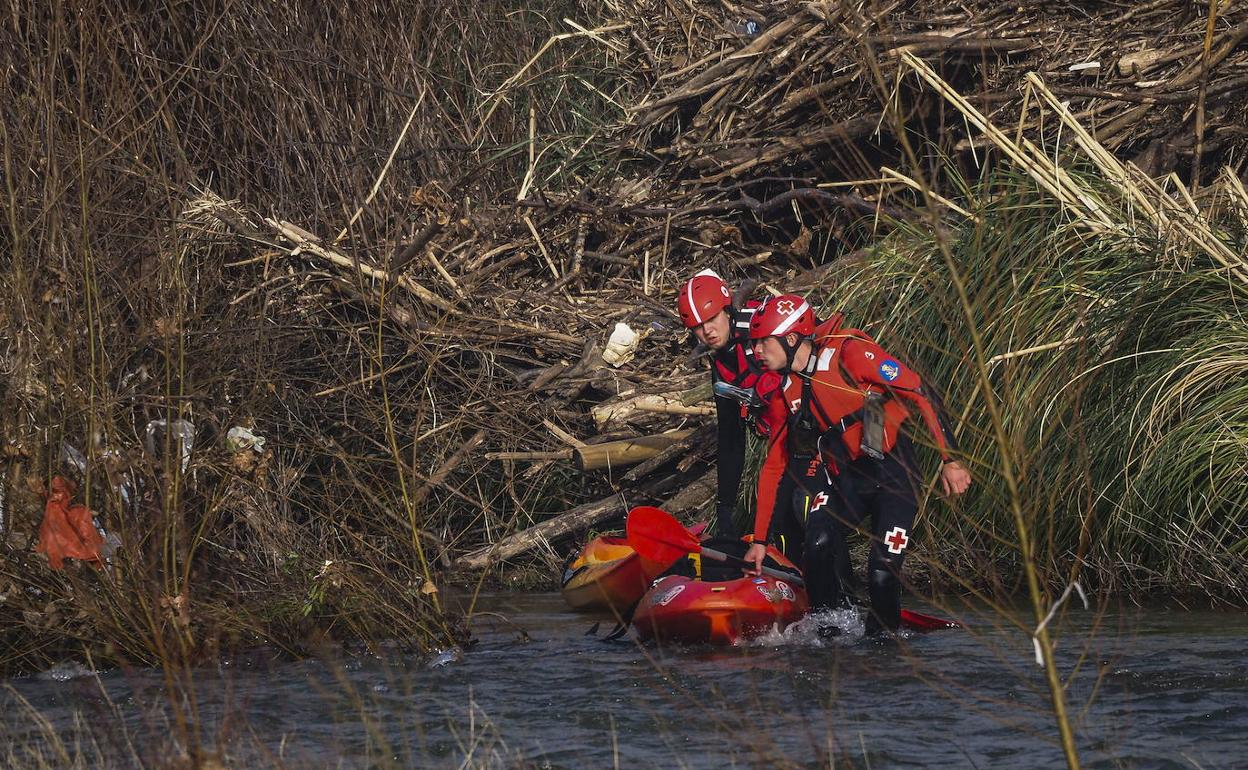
x: 711, y: 553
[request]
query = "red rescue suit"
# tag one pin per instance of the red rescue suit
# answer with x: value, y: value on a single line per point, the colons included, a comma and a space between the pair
x: 845, y: 366
x: 735, y: 365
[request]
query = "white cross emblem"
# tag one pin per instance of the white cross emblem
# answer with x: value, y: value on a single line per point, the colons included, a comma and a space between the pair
x: 820, y: 500
x: 785, y: 307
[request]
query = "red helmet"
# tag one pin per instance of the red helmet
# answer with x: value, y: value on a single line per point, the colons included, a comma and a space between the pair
x: 778, y: 316
x: 702, y: 297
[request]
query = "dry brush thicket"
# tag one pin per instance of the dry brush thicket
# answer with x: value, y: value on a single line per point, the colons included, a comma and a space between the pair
x: 393, y: 238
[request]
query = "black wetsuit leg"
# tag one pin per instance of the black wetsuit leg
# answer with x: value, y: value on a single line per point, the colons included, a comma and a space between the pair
x: 887, y: 491
x: 788, y: 525
x: 819, y: 502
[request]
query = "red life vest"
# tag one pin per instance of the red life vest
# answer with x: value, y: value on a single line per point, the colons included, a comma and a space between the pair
x: 735, y: 364
x: 838, y: 383
x: 844, y: 367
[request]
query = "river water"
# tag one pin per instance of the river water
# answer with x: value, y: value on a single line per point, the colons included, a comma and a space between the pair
x: 1149, y: 688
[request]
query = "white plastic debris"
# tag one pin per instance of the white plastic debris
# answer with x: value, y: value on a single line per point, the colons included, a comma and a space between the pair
x: 71, y: 457
x: 622, y: 345
x: 239, y: 438
x: 183, y: 432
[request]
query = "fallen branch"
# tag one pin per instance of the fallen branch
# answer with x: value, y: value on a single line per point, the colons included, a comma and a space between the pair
x: 607, y: 413
x: 307, y: 242
x: 577, y: 520
x: 616, y: 454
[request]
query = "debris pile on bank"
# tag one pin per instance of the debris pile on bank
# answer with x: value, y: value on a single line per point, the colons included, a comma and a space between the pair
x: 410, y: 284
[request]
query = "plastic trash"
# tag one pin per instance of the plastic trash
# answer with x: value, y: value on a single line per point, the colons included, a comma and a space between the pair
x: 69, y: 455
x: 183, y: 432
x: 621, y: 346
x: 68, y: 531
x: 749, y: 28
x: 239, y: 438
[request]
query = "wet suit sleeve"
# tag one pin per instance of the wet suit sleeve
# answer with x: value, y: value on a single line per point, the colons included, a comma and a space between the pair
x: 942, y: 416
x: 772, y: 471
x: 730, y: 427
x: 870, y: 364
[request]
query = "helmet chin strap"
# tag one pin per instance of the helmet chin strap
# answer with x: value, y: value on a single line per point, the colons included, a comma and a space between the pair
x: 790, y: 351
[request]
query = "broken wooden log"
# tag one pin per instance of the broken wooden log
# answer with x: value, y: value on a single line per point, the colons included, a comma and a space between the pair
x: 616, y: 454
x: 579, y: 519
x: 697, y: 438
x: 650, y: 402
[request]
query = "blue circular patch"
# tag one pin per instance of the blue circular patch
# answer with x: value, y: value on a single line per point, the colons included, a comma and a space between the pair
x: 890, y: 370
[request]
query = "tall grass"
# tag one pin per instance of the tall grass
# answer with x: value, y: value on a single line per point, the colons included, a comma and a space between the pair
x: 1118, y: 372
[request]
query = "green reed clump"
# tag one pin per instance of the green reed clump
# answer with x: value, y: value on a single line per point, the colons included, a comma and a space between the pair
x: 1117, y: 361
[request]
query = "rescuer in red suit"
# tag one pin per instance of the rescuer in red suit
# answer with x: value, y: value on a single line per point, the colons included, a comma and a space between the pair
x: 837, y: 431
x: 707, y: 310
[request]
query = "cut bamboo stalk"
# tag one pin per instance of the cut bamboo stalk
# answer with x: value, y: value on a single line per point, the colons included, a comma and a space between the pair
x: 908, y: 182
x: 604, y: 414
x: 307, y: 242
x: 1035, y: 349
x: 677, y: 409
x: 563, y: 454
x: 617, y: 454
x: 549, y: 262
x: 563, y: 435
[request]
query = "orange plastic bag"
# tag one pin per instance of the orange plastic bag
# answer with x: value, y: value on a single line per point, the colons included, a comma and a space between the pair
x: 67, y: 531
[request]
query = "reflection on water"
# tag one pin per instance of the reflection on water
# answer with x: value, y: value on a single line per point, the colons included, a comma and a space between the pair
x: 1149, y: 689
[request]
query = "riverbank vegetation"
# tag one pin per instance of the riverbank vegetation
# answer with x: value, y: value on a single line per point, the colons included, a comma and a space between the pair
x: 393, y: 243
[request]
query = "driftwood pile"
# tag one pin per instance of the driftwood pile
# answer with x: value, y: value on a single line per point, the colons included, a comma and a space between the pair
x: 450, y: 331
x: 1160, y: 83
x: 757, y: 141
x: 764, y: 136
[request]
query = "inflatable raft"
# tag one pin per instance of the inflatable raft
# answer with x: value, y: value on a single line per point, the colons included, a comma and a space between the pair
x: 704, y: 610
x: 609, y: 576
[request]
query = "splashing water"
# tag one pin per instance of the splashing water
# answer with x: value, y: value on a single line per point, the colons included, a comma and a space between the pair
x: 446, y: 657
x: 64, y: 672
x: 825, y: 628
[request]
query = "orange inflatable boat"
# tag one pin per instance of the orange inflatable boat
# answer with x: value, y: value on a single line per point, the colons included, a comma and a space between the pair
x: 609, y: 576
x: 690, y: 610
